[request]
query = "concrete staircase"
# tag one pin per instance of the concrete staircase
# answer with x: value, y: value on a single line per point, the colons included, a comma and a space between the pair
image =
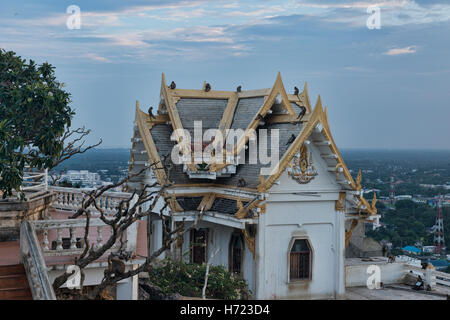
x: 14, y: 283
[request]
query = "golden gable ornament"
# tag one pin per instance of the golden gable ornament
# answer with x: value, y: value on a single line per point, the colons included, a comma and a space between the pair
x: 302, y: 169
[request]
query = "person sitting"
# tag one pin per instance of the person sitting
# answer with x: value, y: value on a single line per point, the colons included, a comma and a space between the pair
x: 419, y: 284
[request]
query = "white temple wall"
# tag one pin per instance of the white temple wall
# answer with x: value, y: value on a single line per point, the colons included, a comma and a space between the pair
x: 306, y: 211
x: 315, y: 221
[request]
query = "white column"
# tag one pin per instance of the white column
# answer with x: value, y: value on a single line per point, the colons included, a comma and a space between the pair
x: 340, y: 255
x: 259, y: 259
x: 157, y: 239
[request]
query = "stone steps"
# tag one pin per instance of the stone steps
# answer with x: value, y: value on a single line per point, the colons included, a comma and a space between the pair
x: 14, y: 283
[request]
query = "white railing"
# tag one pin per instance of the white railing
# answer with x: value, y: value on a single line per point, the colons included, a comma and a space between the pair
x: 34, y: 180
x: 409, y: 260
x: 65, y: 237
x: 442, y: 278
x: 434, y: 276
x: 71, y: 199
x: 34, y: 263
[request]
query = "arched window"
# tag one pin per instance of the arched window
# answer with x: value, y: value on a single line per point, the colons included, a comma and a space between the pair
x: 236, y: 254
x: 300, y: 260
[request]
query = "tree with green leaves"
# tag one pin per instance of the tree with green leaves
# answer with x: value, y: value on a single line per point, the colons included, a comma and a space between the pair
x: 35, y: 119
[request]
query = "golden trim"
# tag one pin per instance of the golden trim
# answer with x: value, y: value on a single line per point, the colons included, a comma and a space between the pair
x: 201, y: 94
x: 243, y: 211
x: 317, y: 116
x: 304, y: 98
x: 294, y: 147
x: 174, y: 205
x: 176, y: 121
x: 358, y: 180
x: 149, y: 145
x: 277, y: 89
x: 159, y: 119
x: 371, y: 208
x: 339, y: 205
x: 152, y: 153
x: 206, y: 202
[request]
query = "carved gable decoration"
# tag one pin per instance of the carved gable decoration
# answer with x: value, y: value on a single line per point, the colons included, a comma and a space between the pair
x: 301, y: 167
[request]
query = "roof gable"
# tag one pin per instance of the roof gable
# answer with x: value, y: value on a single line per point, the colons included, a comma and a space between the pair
x: 266, y: 108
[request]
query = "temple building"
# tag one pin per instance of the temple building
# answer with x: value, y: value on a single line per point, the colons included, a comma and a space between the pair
x: 278, y: 205
x: 261, y: 188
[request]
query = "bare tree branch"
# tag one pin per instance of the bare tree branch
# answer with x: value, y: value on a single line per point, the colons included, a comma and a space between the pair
x: 128, y: 212
x: 208, y: 264
x: 74, y: 146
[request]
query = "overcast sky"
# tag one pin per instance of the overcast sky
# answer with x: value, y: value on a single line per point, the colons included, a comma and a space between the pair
x: 384, y: 88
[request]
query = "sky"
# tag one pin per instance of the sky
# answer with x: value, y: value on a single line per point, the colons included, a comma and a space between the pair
x: 385, y: 88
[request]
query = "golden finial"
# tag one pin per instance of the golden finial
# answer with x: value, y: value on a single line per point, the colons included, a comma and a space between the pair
x: 358, y: 180
x: 374, y: 200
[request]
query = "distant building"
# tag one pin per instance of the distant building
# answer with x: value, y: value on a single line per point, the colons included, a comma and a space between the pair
x: 428, y: 249
x: 403, y: 197
x: 411, y: 249
x: 419, y: 200
x: 84, y: 177
x: 435, y: 186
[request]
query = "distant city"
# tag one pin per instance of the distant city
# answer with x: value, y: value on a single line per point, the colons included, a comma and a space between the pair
x: 93, y: 169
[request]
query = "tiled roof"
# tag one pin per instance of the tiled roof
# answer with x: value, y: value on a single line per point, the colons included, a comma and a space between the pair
x: 247, y: 110
x: 209, y: 111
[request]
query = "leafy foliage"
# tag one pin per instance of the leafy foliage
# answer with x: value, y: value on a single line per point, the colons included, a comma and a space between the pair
x: 411, y: 169
x: 408, y: 223
x: 34, y: 114
x: 188, y: 279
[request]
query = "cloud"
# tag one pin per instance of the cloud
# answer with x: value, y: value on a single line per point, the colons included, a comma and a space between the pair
x: 399, y: 51
x: 393, y: 12
x: 174, y: 27
x: 95, y: 57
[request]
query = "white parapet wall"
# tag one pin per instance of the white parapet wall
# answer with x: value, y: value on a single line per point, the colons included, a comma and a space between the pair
x: 127, y: 289
x: 357, y: 271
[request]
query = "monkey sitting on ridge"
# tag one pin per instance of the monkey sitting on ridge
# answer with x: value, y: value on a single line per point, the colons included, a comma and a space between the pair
x: 115, y: 267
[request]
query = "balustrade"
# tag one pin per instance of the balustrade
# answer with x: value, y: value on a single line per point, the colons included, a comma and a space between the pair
x: 61, y: 237
x: 72, y: 198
